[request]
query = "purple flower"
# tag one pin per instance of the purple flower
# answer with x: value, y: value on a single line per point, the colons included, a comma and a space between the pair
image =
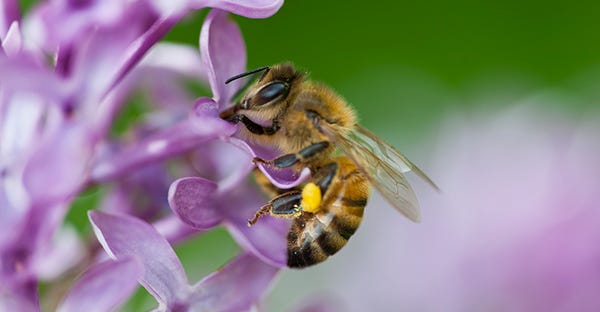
x: 54, y: 118
x: 236, y: 287
x: 204, y: 204
x: 106, y: 284
x: 223, y: 55
x: 514, y: 229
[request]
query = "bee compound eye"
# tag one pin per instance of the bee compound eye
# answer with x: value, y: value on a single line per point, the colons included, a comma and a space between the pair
x: 270, y: 92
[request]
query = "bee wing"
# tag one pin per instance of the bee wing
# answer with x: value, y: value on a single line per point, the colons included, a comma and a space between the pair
x: 383, y: 165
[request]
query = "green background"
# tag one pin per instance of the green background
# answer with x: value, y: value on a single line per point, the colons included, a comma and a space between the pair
x: 408, y: 63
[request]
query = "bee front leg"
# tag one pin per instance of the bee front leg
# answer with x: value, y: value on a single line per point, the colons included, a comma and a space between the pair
x: 289, y: 160
x: 251, y: 125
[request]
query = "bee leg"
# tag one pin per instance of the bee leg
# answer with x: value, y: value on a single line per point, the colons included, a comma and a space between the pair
x: 284, y: 205
x: 289, y: 160
x: 261, y: 212
x: 327, y: 173
x: 249, y: 124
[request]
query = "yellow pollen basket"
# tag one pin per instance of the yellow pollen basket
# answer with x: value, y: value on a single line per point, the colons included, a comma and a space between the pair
x: 311, y: 198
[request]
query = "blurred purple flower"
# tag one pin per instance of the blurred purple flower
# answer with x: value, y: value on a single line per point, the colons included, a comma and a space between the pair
x: 236, y: 287
x: 106, y: 284
x: 515, y: 228
x: 54, y: 119
x: 223, y: 54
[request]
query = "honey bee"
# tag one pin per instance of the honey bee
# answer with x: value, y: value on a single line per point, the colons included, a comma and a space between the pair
x: 308, y: 122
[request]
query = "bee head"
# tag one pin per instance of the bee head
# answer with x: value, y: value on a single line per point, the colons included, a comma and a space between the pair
x: 268, y: 95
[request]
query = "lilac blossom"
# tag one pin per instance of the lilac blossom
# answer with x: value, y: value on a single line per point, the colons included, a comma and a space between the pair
x: 201, y: 203
x: 236, y: 287
x: 104, y: 286
x: 54, y: 119
x: 514, y: 229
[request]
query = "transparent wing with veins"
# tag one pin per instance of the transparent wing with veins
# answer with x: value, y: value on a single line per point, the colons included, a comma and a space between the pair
x: 382, y: 164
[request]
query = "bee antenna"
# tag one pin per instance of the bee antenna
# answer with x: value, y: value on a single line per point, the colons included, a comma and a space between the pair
x: 248, y: 73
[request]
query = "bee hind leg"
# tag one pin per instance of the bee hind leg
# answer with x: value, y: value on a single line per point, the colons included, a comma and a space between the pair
x: 286, y: 205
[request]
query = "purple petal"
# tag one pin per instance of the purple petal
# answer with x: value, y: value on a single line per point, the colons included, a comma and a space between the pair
x: 63, y: 22
x: 224, y: 54
x: 158, y: 75
x: 141, y: 45
x: 24, y: 74
x: 173, y: 229
x: 283, y: 179
x: 106, y: 285
x: 198, y: 128
x: 29, y: 241
x: 94, y: 66
x: 24, y: 299
x: 223, y: 163
x: 193, y: 200
x: 9, y: 12
x: 267, y: 239
x: 178, y: 58
x: 124, y: 236
x: 169, y: 7
x: 59, y: 167
x: 62, y: 253
x: 247, y: 8
x: 20, y: 121
x: 236, y: 287
x: 12, y: 43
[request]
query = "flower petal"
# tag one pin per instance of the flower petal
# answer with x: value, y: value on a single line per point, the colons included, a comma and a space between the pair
x: 267, y: 239
x: 236, y: 287
x: 223, y: 53
x: 247, y: 8
x: 193, y: 200
x: 22, y: 73
x: 173, y: 229
x: 180, y: 58
x: 13, y: 41
x: 62, y: 253
x: 200, y: 127
x: 106, y: 285
x: 281, y: 178
x: 22, y: 300
x: 124, y: 236
x: 55, y: 23
x: 96, y: 63
x: 59, y: 167
x: 223, y: 163
x: 19, y: 126
x: 9, y: 12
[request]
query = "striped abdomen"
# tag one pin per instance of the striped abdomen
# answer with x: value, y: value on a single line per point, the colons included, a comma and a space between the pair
x: 315, y: 237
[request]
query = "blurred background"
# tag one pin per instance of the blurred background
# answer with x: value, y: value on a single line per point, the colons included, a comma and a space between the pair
x: 408, y: 67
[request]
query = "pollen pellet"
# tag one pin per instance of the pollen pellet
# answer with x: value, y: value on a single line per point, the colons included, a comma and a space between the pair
x: 311, y: 198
